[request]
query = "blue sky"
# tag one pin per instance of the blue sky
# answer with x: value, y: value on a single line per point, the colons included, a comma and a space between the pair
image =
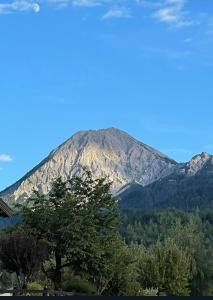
x: 67, y: 65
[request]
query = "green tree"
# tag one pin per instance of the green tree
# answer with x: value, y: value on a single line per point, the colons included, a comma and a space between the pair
x: 165, y: 267
x: 79, y: 220
x: 191, y: 231
x: 123, y: 273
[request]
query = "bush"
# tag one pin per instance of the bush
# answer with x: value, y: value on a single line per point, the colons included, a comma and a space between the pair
x: 79, y: 285
x: 35, y: 286
x: 150, y: 292
x: 135, y: 289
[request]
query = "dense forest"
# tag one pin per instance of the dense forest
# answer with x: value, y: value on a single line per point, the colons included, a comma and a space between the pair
x: 158, y: 230
x: 77, y: 239
x: 174, y: 191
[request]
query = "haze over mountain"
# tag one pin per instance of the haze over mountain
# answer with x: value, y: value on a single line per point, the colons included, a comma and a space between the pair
x: 107, y: 152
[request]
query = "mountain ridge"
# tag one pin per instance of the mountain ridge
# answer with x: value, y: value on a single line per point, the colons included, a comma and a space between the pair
x: 190, y: 186
x: 106, y: 152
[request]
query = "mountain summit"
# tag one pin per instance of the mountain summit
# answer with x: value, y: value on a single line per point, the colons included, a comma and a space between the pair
x: 106, y: 152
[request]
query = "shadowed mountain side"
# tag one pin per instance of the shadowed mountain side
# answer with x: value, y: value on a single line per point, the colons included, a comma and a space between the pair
x: 185, y: 189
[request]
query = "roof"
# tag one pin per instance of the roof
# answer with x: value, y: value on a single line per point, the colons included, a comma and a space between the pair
x: 7, y: 211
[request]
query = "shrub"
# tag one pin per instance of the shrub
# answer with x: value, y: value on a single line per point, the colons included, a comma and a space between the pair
x: 35, y: 286
x: 78, y: 285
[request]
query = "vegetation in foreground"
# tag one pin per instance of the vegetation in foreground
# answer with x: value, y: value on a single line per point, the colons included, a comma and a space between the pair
x: 76, y: 239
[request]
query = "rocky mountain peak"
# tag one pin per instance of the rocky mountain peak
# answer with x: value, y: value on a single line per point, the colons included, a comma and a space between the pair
x: 197, y: 163
x: 106, y: 152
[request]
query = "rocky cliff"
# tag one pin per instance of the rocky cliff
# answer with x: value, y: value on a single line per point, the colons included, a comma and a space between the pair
x: 107, y: 152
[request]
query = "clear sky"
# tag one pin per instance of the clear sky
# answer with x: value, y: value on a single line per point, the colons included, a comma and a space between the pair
x: 145, y: 67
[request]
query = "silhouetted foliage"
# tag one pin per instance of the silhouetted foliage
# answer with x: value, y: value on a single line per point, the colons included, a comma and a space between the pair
x: 22, y: 254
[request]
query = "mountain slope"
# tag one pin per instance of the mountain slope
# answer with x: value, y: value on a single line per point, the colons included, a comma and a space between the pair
x: 190, y: 186
x: 107, y: 152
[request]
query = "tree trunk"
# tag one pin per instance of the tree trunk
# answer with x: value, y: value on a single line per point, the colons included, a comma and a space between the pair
x: 24, y: 284
x: 57, y: 273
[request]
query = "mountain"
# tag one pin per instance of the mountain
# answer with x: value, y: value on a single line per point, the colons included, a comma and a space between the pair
x: 190, y: 186
x: 107, y: 152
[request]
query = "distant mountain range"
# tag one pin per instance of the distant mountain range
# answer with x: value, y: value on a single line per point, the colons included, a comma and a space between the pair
x: 141, y: 175
x: 190, y: 186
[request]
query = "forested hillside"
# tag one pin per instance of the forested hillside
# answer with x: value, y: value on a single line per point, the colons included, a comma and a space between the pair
x: 175, y: 191
x: 76, y: 239
x: 155, y: 230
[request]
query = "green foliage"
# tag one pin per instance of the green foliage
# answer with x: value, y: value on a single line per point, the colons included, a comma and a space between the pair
x: 150, y: 292
x: 123, y: 277
x: 79, y: 285
x: 165, y: 267
x: 79, y: 220
x: 155, y: 252
x: 191, y: 232
x: 175, y: 191
x: 202, y: 283
x: 36, y: 286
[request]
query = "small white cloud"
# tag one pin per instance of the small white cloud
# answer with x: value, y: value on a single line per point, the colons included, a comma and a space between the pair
x: 19, y: 5
x: 5, y: 158
x: 168, y: 15
x: 80, y: 3
x: 171, y: 12
x: 117, y: 12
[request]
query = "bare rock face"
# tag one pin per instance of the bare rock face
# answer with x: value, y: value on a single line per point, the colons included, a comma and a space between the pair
x: 106, y: 152
x: 197, y: 164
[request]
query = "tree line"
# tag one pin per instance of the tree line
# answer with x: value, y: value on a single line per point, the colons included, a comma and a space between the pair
x: 76, y: 238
